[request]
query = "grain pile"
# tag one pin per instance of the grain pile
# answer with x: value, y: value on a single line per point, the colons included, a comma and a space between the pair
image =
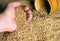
x: 43, y: 27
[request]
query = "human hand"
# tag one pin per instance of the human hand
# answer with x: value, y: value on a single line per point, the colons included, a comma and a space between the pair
x: 7, y: 21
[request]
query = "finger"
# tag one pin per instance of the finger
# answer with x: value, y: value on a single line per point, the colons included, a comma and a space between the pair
x: 25, y: 8
x: 29, y: 13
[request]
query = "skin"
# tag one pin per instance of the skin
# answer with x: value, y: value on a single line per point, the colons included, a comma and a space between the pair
x: 7, y: 18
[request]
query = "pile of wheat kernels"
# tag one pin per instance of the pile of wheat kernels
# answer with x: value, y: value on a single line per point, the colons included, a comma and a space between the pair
x: 43, y: 27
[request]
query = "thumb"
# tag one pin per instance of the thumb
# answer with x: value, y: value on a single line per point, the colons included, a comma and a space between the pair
x: 14, y: 4
x: 10, y: 9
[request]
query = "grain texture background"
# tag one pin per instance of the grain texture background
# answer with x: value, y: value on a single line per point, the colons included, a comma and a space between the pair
x: 43, y: 27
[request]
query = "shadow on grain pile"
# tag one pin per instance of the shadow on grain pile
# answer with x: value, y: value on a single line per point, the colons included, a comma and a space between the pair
x: 43, y: 27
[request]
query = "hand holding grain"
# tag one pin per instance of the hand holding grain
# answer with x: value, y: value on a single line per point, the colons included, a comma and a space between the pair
x: 7, y: 21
